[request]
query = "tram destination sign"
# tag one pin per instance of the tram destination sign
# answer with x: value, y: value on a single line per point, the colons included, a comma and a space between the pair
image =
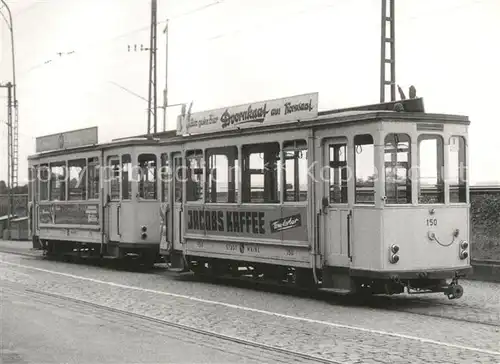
x: 69, y: 139
x: 271, y: 112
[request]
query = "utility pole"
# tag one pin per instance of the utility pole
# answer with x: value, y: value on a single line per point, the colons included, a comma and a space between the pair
x: 388, y: 38
x: 165, y: 91
x: 152, y: 97
x: 14, y: 124
x: 13, y: 166
x: 10, y: 149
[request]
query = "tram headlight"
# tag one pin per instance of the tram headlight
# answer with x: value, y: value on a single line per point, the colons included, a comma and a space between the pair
x: 464, y: 254
x: 144, y: 235
x: 394, y: 258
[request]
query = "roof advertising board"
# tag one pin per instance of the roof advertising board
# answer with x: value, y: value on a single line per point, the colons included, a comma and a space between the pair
x: 270, y: 112
x: 66, y: 140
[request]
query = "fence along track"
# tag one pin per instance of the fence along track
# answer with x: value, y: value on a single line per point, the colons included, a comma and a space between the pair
x: 19, y: 202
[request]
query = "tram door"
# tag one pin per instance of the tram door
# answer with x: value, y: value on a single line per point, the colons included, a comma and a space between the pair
x: 113, y: 223
x: 336, y: 213
x: 165, y: 206
x: 177, y: 206
x: 33, y: 205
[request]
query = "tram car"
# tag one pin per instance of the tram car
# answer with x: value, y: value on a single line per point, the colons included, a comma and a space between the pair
x: 95, y: 200
x: 371, y: 199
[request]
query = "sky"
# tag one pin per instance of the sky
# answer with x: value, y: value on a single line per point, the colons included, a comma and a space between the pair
x: 239, y: 51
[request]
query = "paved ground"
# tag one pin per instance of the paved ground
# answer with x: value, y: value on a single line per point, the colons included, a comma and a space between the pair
x: 17, y: 247
x: 401, y: 333
x: 37, y: 329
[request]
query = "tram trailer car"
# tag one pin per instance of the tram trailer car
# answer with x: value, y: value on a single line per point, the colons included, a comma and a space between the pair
x: 95, y: 200
x: 371, y: 199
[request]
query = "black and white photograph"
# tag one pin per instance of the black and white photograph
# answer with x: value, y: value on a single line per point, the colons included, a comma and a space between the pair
x: 249, y: 181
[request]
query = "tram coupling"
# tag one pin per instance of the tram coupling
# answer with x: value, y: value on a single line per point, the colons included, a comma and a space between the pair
x: 454, y: 290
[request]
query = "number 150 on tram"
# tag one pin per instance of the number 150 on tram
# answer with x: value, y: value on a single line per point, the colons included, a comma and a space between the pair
x: 370, y: 199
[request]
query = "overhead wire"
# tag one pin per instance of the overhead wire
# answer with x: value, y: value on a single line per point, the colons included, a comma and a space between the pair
x: 94, y: 45
x: 122, y: 35
x: 204, y: 40
x: 215, y: 37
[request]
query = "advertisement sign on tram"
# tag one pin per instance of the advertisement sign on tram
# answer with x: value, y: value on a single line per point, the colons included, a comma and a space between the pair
x: 270, y: 112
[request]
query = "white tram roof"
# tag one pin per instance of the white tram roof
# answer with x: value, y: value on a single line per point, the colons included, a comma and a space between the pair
x: 411, y: 110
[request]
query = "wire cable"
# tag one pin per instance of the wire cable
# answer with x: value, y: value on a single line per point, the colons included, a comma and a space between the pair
x: 94, y: 45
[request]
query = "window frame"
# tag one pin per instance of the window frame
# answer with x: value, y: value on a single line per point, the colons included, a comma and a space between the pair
x: 330, y: 146
x: 97, y: 167
x: 235, y: 175
x: 130, y: 177
x: 463, y: 171
x: 355, y: 164
x: 140, y: 190
x: 255, y: 148
x: 299, y: 145
x: 110, y: 176
x: 44, y: 167
x: 409, y: 183
x: 85, y: 171
x: 64, y: 165
x: 440, y: 179
x: 165, y: 183
x: 195, y: 153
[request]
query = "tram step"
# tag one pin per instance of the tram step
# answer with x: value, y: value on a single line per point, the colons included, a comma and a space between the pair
x: 110, y: 257
x: 178, y: 270
x: 335, y: 290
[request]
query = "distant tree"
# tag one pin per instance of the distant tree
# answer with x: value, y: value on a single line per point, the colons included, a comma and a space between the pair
x: 20, y: 189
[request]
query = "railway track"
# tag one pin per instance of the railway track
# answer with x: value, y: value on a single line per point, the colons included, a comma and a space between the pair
x: 402, y: 304
x: 394, y: 304
x: 271, y: 352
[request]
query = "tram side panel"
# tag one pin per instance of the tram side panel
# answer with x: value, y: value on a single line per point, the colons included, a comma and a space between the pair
x: 147, y: 223
x: 366, y: 239
x: 70, y: 221
x: 257, y: 233
x: 428, y: 238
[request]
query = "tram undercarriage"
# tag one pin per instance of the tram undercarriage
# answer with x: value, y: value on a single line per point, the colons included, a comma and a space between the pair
x: 135, y: 255
x: 304, y: 278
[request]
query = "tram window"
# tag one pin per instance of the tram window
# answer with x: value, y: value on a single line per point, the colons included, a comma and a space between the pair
x: 431, y: 165
x: 365, y: 174
x: 44, y: 182
x: 194, y: 175
x: 34, y: 179
x: 165, y: 177
x: 338, y: 173
x: 32, y: 182
x: 261, y: 173
x: 148, y: 189
x: 457, y: 171
x: 178, y: 178
x: 397, y: 158
x: 126, y: 177
x: 221, y: 175
x: 77, y: 178
x: 57, y: 181
x: 114, y: 178
x: 295, y: 171
x: 93, y: 178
